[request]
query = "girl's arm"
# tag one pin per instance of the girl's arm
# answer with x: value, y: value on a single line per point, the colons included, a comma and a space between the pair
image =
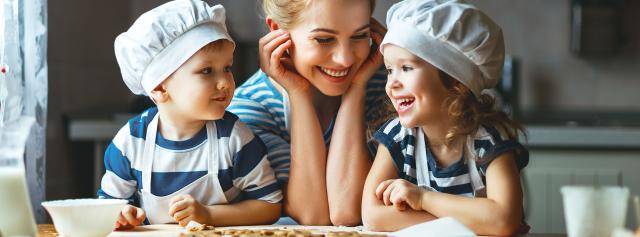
x: 348, y: 160
x: 498, y: 214
x: 375, y: 215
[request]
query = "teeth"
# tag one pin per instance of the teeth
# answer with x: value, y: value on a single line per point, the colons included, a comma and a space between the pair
x: 404, y: 102
x: 335, y: 73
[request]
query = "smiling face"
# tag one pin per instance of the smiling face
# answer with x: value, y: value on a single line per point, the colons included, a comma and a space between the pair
x: 330, y: 43
x: 414, y: 87
x: 202, y: 88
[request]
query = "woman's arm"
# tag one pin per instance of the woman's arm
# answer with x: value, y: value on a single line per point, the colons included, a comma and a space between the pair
x: 348, y: 160
x: 498, y: 214
x: 375, y: 215
x: 307, y: 175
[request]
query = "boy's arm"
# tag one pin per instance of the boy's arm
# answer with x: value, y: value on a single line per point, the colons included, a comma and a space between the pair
x: 247, y: 212
x: 118, y: 180
x: 375, y: 215
x: 498, y: 214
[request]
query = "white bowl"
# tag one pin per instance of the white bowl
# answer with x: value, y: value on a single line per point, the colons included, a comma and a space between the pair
x: 84, y: 217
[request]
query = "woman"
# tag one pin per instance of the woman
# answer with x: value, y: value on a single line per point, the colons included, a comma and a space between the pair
x: 313, y: 102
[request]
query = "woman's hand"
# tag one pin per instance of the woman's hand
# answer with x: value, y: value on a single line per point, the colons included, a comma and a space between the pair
x: 401, y: 194
x: 374, y: 60
x: 130, y: 217
x: 277, y: 64
x: 185, y: 208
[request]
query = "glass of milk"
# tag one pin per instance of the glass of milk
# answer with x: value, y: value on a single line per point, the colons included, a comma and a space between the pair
x: 16, y: 216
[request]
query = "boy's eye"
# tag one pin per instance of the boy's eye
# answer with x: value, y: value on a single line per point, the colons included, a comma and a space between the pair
x: 206, y: 70
x: 406, y: 68
x: 389, y: 71
x: 227, y: 69
x: 324, y: 40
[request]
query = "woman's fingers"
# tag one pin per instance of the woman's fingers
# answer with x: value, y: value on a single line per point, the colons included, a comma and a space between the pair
x: 276, y: 56
x: 267, y: 44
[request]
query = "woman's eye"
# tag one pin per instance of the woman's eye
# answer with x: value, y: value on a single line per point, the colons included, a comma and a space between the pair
x: 406, y: 68
x: 206, y: 70
x: 361, y: 36
x: 227, y: 69
x: 324, y: 40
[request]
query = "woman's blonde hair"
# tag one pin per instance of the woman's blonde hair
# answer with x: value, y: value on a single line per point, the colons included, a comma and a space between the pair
x: 468, y: 112
x: 286, y: 13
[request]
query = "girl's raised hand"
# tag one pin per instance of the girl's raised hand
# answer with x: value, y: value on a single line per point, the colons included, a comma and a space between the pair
x: 275, y: 62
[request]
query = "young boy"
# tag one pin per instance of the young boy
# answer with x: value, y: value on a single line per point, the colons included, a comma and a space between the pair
x: 187, y: 159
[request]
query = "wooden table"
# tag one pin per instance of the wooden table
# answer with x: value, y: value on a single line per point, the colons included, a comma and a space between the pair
x: 47, y: 230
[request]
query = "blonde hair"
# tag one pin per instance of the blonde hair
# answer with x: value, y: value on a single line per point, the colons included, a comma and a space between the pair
x: 215, y: 46
x: 468, y: 112
x: 287, y: 13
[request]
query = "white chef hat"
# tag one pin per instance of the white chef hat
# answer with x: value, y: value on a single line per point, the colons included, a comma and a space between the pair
x: 453, y: 36
x: 162, y: 39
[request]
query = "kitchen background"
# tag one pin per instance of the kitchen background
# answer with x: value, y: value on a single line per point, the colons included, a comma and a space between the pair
x: 575, y: 67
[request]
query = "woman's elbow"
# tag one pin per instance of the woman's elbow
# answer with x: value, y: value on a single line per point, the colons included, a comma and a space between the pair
x: 345, y: 218
x: 312, y: 219
x: 309, y: 216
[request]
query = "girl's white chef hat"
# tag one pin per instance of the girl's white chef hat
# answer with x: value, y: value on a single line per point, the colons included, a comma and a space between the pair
x: 453, y: 36
x: 162, y: 39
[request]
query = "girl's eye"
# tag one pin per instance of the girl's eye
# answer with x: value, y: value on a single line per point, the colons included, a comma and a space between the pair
x: 361, y: 36
x: 206, y: 70
x: 227, y: 69
x: 406, y: 68
x: 324, y: 40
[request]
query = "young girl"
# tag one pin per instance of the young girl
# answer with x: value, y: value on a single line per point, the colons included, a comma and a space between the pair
x: 450, y: 153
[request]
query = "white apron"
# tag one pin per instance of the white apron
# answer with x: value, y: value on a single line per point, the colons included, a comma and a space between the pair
x: 206, y: 189
x: 422, y: 168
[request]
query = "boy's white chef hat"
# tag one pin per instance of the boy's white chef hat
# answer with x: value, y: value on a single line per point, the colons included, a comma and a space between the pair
x: 162, y: 39
x: 453, y: 36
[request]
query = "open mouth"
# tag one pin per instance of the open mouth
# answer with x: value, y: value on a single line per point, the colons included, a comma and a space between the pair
x: 405, y: 103
x: 333, y: 74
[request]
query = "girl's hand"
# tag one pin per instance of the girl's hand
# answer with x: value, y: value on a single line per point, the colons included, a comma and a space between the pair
x: 185, y: 208
x: 277, y: 64
x: 374, y: 60
x: 130, y: 217
x: 401, y: 194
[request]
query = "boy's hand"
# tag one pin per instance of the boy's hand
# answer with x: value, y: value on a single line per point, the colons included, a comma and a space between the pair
x: 401, y: 194
x: 130, y: 217
x: 184, y: 208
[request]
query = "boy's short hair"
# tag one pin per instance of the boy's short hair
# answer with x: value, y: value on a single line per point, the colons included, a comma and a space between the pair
x: 162, y: 39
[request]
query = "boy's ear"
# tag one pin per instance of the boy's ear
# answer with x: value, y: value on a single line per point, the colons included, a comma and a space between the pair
x: 271, y: 24
x: 159, y: 94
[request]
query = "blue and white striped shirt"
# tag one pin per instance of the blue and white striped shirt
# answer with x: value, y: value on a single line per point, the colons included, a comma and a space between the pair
x: 244, y: 174
x: 488, y: 144
x: 264, y: 109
